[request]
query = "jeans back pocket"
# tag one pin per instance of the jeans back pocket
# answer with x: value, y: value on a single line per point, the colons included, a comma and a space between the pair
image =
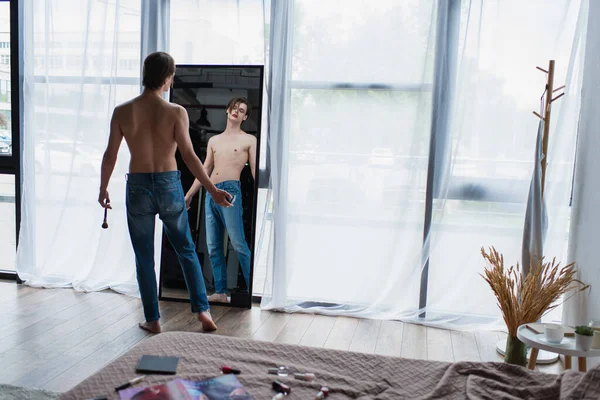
x: 171, y: 199
x: 138, y: 200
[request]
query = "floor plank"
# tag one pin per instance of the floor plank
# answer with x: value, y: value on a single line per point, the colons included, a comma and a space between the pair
x: 23, y: 304
x: 365, y: 337
x: 414, y: 342
x: 10, y: 290
x: 229, y: 322
x: 295, y: 329
x: 486, y: 343
x: 553, y: 369
x: 439, y: 345
x: 249, y: 321
x: 342, y: 333
x: 464, y: 346
x: 318, y: 331
x: 272, y: 327
x: 389, y: 342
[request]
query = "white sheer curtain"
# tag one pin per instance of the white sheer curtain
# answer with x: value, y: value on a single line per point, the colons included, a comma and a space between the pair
x: 81, y: 59
x: 217, y: 31
x: 493, y: 143
x: 387, y: 97
x: 585, y: 306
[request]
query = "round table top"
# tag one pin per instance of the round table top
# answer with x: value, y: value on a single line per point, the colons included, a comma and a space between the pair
x: 566, y: 347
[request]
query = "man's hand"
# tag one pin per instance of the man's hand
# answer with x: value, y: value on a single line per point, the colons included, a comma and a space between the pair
x: 188, y: 200
x: 104, y: 199
x: 222, y: 198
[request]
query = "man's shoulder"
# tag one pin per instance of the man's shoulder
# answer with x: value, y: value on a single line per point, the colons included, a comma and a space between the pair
x: 174, y: 110
x: 122, y: 110
x: 249, y: 137
x: 214, y: 138
x: 125, y: 105
x: 175, y: 106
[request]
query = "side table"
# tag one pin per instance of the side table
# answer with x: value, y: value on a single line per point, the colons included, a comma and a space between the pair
x: 567, y: 347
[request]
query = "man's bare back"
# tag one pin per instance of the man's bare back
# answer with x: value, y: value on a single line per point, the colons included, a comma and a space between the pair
x: 148, y: 126
x: 229, y: 153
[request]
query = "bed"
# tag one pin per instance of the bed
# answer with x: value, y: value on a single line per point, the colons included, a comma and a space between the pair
x: 348, y: 375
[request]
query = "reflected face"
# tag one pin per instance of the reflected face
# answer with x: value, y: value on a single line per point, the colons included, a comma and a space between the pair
x: 238, y: 113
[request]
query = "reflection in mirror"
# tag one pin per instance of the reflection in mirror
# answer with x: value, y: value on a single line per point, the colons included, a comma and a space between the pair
x: 224, y: 105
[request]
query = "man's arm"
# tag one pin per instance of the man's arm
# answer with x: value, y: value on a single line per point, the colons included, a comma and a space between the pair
x: 252, y: 155
x: 184, y: 143
x: 109, y: 159
x: 208, y: 167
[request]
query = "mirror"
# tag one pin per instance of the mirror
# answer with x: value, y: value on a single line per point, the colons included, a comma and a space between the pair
x: 224, y: 249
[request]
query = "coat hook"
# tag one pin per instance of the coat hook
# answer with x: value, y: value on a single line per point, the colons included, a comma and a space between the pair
x: 557, y: 89
x: 538, y: 115
x: 557, y: 97
x: 542, y: 69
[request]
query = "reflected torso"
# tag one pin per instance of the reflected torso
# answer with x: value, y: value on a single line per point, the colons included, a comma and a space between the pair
x: 230, y: 155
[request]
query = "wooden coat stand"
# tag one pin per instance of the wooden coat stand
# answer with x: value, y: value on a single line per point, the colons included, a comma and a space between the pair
x: 546, y: 111
x: 543, y: 357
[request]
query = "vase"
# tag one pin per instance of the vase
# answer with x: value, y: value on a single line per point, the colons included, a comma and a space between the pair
x: 516, y: 351
x: 583, y: 342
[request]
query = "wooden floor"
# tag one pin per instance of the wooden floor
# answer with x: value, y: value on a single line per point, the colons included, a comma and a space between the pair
x: 55, y: 338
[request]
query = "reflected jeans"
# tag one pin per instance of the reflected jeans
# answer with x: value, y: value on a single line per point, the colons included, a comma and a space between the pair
x: 148, y: 194
x: 219, y: 218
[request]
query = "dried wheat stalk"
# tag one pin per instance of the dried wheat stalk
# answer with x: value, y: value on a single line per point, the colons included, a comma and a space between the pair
x: 526, y: 300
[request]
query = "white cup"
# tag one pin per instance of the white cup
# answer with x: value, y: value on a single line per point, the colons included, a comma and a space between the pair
x: 554, y: 333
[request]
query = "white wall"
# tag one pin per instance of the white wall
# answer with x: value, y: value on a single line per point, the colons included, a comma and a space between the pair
x: 585, y: 219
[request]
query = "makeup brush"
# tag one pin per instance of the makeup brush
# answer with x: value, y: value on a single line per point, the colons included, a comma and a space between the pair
x: 104, y: 223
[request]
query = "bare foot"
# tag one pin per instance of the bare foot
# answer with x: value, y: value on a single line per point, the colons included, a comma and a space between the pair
x: 152, y: 327
x: 207, y: 323
x: 218, y: 298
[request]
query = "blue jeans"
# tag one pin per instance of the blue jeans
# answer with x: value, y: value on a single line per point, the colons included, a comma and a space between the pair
x: 161, y: 193
x: 230, y: 218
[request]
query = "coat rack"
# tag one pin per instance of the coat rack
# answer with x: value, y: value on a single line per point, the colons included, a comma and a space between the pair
x: 543, y: 357
x: 546, y: 111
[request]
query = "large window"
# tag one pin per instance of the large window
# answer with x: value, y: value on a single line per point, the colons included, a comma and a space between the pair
x: 81, y: 69
x: 359, y: 139
x: 8, y: 159
x: 409, y: 147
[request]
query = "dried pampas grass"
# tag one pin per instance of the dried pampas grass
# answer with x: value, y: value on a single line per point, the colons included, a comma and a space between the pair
x: 526, y: 300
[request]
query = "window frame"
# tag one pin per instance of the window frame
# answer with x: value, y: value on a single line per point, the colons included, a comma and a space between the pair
x: 12, y: 165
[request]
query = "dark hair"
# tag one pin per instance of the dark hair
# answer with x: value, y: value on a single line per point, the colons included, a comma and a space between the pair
x: 158, y: 66
x: 240, y: 100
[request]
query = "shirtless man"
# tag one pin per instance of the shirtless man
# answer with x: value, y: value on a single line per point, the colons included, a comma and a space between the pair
x: 153, y: 129
x: 226, y: 156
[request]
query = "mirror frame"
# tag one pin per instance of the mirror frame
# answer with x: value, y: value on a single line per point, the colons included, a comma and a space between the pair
x: 236, y: 301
